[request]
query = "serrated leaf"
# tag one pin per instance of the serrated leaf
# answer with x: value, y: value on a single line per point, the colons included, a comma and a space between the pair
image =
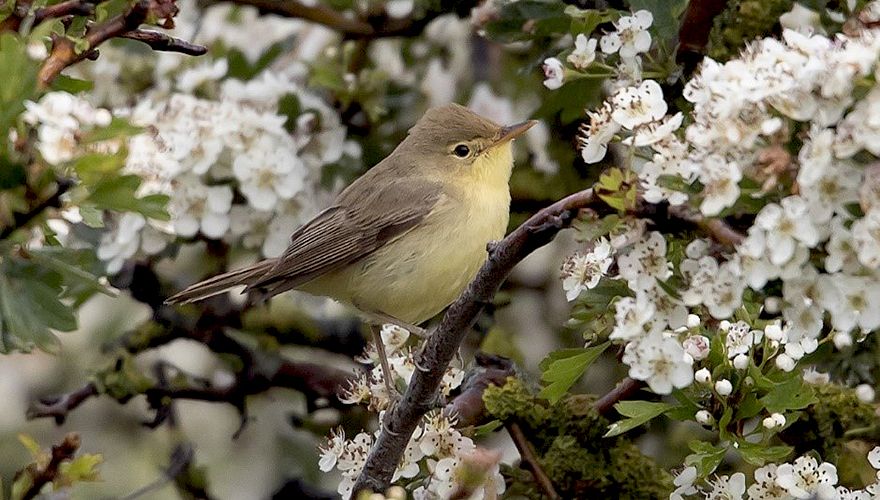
x: 30, y: 307
x: 667, y: 15
x: 563, y: 368
x: 487, y: 428
x: 527, y: 20
x: 748, y: 407
x: 71, y: 85
x: 31, y: 444
x: 639, y: 413
x: 793, y: 394
x: 706, y: 457
x: 119, y: 193
x: 119, y: 128
x: 759, y: 454
x: 93, y: 167
x: 19, y: 79
x: 82, y: 468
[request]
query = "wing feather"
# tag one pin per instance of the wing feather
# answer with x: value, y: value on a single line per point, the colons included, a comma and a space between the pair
x: 361, y: 222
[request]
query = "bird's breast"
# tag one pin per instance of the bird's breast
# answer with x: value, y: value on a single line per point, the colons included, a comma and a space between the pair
x: 421, y: 272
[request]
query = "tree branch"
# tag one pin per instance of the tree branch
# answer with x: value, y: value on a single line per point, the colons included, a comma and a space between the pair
x: 441, y: 346
x: 693, y: 36
x: 64, y: 52
x: 527, y: 457
x: 162, y: 42
x: 351, y: 27
x: 60, y: 452
x: 20, y: 220
x: 67, y: 8
x: 626, y: 388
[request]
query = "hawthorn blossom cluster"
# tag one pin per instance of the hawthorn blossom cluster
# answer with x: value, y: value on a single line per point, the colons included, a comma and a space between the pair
x: 805, y: 477
x: 436, y: 446
x: 629, y: 38
x: 61, y: 120
x: 234, y: 168
x: 817, y: 228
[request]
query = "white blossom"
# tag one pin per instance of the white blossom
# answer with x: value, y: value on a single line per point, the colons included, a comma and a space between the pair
x: 635, y: 106
x: 554, y: 73
x: 584, y: 52
x: 807, y: 478
x: 583, y: 271
x: 660, y: 361
x: 631, y: 36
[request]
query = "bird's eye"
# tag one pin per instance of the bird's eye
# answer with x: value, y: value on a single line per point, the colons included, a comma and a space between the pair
x: 462, y: 151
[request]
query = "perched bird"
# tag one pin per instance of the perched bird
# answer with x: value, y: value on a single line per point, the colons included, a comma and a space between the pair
x: 402, y: 241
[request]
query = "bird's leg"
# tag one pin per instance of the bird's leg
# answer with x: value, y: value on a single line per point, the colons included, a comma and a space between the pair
x: 384, y: 318
x: 387, y: 374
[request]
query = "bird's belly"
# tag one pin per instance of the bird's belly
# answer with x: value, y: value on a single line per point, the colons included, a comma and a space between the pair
x: 417, y: 275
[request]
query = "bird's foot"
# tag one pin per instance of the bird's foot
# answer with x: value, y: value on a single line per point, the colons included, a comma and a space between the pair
x: 492, y: 247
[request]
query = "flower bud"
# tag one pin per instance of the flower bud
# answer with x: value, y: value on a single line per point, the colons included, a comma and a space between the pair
x: 704, y: 417
x: 723, y: 387
x: 693, y: 321
x: 865, y: 393
x: 703, y: 376
x: 785, y: 363
x: 741, y: 362
x: 842, y: 340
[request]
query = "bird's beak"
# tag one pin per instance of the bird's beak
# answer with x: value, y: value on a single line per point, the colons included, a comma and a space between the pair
x: 511, y: 132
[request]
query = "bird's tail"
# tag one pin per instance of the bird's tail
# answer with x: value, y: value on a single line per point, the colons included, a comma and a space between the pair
x: 219, y: 284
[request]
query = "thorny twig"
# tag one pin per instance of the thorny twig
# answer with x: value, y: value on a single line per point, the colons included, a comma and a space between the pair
x: 528, y: 458
x: 60, y: 453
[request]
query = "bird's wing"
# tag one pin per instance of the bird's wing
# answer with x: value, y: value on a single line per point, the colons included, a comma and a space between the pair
x: 361, y: 222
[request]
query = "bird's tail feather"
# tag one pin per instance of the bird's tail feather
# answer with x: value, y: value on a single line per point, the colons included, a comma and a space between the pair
x: 219, y: 284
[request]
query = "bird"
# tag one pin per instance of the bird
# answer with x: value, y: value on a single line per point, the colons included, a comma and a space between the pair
x: 402, y: 241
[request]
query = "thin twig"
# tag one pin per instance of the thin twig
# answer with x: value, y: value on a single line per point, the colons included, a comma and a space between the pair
x: 527, y: 456
x: 162, y: 42
x: 626, y: 388
x: 20, y: 220
x: 349, y: 26
x: 58, y: 407
x: 717, y: 229
x: 60, y: 453
x: 442, y: 345
x: 67, y: 8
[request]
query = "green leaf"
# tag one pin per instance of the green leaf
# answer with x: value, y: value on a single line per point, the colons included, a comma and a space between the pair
x: 31, y: 444
x: 79, y: 269
x: 748, y: 407
x: 118, y: 193
x: 639, y: 413
x: 594, y: 303
x: 759, y: 453
x: 793, y: 394
x: 94, y: 167
x: 667, y: 15
x: 487, y: 428
x: 528, y: 20
x: 30, y: 306
x: 586, y: 21
x: 561, y: 369
x: 11, y: 174
x: 706, y: 457
x: 72, y: 85
x: 81, y: 468
x: 19, y: 80
x: 119, y: 128
x: 92, y: 215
